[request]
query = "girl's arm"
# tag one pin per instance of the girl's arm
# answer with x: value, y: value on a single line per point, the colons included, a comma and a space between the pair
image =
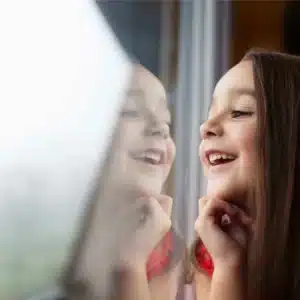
x: 134, y: 284
x: 224, y: 228
x: 133, y: 280
x: 227, y: 283
x: 165, y: 287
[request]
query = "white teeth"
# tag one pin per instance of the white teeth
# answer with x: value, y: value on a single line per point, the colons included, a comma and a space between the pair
x: 214, y: 157
x: 153, y: 156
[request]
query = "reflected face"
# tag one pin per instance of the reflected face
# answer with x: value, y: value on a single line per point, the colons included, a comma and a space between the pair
x: 228, y: 148
x: 146, y: 150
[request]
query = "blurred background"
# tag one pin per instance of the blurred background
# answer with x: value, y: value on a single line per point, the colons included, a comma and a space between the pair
x: 187, y: 45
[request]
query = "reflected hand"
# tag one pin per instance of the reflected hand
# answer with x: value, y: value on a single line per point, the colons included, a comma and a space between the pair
x: 152, y: 223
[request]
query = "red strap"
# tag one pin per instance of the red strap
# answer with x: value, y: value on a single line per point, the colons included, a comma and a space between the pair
x: 204, y: 259
x: 160, y: 257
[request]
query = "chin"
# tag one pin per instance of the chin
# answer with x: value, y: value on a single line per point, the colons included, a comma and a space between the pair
x: 148, y: 186
x: 225, y: 190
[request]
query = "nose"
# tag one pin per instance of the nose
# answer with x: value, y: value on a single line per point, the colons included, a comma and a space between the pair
x: 210, y: 128
x: 157, y: 128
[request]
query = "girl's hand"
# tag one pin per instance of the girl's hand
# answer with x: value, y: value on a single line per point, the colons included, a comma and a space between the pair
x: 224, y: 229
x: 152, y: 223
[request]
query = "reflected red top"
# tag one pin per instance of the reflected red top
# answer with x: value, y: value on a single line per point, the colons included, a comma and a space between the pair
x: 160, y: 257
x: 203, y: 258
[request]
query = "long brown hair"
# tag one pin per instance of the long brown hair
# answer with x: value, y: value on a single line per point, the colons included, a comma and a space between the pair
x: 274, y: 254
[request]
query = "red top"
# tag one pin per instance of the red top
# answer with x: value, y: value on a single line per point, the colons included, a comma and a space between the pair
x: 203, y: 258
x: 160, y: 257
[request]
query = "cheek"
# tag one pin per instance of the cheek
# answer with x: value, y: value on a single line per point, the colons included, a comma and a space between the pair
x: 247, y: 146
x: 130, y: 133
x: 171, y: 152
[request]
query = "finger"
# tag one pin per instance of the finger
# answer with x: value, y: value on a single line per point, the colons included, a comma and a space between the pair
x: 197, y: 225
x: 204, y: 225
x: 202, y: 219
x: 134, y: 215
x: 225, y: 220
x: 202, y: 202
x: 142, y: 210
x: 217, y: 206
x: 239, y: 235
x: 166, y: 203
x: 243, y: 217
x: 159, y: 219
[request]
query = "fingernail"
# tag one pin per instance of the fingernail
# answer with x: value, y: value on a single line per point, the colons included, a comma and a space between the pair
x: 225, y: 220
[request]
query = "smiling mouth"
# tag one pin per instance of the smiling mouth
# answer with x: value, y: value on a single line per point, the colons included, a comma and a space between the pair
x: 153, y: 157
x: 216, y: 158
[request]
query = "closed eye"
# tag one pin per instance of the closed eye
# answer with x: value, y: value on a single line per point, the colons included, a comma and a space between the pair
x: 240, y: 113
x: 129, y: 113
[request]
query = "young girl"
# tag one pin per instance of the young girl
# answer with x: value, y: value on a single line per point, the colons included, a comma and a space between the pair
x: 249, y: 220
x: 133, y: 217
x: 151, y: 264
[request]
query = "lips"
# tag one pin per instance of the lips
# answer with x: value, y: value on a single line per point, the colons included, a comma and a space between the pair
x: 153, y: 156
x: 218, y: 157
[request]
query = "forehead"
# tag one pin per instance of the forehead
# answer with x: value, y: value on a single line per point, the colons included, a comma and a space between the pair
x: 237, y: 81
x: 147, y: 88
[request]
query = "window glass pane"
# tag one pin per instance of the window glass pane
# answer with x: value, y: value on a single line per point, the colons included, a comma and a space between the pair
x: 89, y: 169
x: 58, y: 109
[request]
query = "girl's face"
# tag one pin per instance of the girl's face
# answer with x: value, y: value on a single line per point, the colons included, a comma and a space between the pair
x: 145, y: 150
x: 141, y: 161
x: 228, y: 148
